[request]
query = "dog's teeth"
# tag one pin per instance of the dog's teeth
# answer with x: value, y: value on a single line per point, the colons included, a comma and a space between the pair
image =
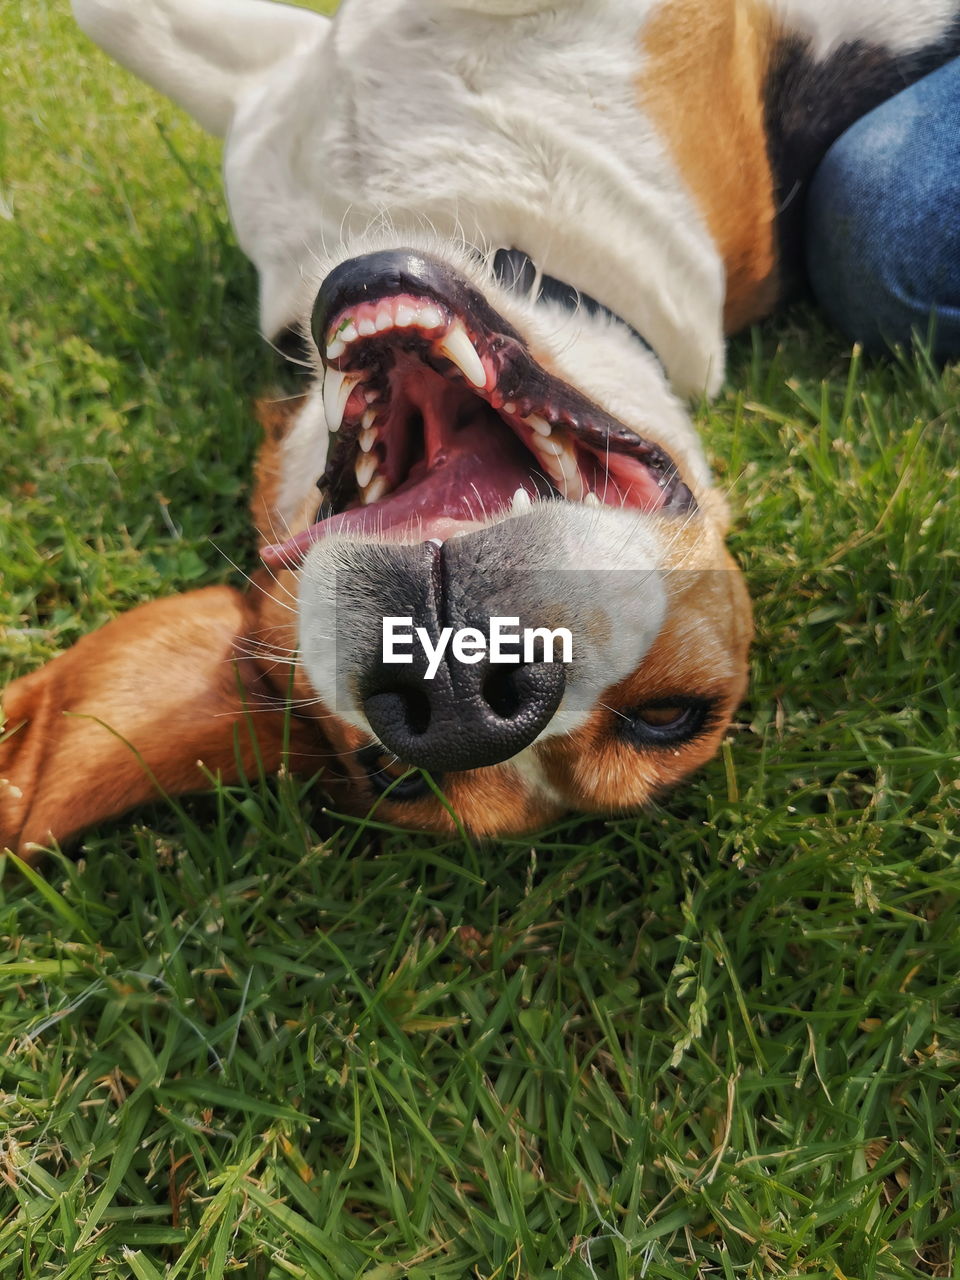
x: 348, y: 332
x: 554, y: 471
x: 591, y: 500
x: 336, y: 348
x: 404, y: 316
x: 370, y: 395
x: 458, y: 348
x: 375, y: 490
x: 430, y: 317
x: 550, y: 446
x: 509, y: 407
x: 384, y: 319
x: 572, y: 481
x: 366, y: 467
x: 368, y: 438
x: 368, y: 419
x: 366, y: 326
x: 521, y: 502
x: 540, y: 425
x: 560, y: 463
x: 336, y: 392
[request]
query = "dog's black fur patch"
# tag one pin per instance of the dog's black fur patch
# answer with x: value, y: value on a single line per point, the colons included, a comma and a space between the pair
x: 808, y: 105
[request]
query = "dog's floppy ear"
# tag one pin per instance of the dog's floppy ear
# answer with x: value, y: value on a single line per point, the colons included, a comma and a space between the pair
x: 136, y: 708
x: 201, y: 53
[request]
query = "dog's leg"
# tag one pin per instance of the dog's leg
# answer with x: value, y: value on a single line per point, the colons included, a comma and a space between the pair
x: 135, y: 709
x: 201, y: 53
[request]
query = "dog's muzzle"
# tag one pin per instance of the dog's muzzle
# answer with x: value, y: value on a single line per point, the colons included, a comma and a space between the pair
x: 464, y: 481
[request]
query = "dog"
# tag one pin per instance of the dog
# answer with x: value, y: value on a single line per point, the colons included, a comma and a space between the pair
x: 513, y: 236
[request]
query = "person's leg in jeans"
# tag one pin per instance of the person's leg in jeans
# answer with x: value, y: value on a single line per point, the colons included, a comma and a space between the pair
x: 883, y: 220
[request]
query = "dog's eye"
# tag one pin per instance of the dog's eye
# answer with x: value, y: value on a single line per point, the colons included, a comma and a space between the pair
x: 384, y: 771
x: 667, y: 722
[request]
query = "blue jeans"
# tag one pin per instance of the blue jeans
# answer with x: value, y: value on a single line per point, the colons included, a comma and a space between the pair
x: 883, y: 220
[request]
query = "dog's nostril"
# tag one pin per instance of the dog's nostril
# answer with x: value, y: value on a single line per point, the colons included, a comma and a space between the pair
x: 416, y: 708
x: 502, y: 691
x: 406, y: 706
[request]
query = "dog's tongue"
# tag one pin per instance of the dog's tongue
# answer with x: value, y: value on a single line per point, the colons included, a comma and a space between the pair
x: 473, y: 472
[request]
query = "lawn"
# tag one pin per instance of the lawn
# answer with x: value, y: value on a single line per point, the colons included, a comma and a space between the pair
x: 248, y: 1037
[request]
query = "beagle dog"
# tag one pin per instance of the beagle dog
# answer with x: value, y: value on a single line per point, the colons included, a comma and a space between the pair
x: 512, y: 235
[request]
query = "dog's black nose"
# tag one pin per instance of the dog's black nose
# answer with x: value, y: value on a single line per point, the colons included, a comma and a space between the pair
x: 438, y: 711
x: 465, y: 717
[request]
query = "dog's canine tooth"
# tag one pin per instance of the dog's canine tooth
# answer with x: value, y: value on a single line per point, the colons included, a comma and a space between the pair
x: 540, y: 425
x: 560, y: 462
x: 336, y: 392
x: 457, y: 347
x: 591, y: 500
x: 375, y: 489
x: 366, y: 466
x: 554, y: 471
x: 572, y: 480
x: 367, y: 438
x: 521, y: 503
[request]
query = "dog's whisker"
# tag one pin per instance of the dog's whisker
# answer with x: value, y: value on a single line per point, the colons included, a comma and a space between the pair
x: 252, y: 581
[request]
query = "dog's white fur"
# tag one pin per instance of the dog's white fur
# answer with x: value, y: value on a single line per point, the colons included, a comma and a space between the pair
x: 898, y: 25
x: 502, y: 132
x: 403, y: 105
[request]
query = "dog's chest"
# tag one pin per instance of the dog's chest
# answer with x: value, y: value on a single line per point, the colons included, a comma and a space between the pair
x: 831, y: 66
x: 749, y: 96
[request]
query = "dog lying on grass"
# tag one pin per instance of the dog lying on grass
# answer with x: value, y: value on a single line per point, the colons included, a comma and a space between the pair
x: 513, y: 235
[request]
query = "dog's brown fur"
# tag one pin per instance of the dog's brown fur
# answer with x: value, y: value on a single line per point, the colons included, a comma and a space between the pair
x: 156, y: 702
x: 717, y: 136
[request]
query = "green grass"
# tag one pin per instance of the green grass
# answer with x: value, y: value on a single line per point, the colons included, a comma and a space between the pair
x: 244, y: 1037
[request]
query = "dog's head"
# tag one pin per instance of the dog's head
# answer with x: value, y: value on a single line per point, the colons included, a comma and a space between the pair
x: 496, y: 465
x: 490, y: 442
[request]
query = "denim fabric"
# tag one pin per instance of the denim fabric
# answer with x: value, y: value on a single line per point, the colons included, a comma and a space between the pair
x: 883, y: 220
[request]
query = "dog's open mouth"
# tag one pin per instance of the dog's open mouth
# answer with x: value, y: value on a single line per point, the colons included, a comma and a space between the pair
x: 441, y: 420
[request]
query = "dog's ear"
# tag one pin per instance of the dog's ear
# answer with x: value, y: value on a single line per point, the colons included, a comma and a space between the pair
x: 153, y: 702
x: 204, y: 54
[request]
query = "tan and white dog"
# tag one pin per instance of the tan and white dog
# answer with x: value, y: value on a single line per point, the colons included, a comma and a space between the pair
x: 513, y: 234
